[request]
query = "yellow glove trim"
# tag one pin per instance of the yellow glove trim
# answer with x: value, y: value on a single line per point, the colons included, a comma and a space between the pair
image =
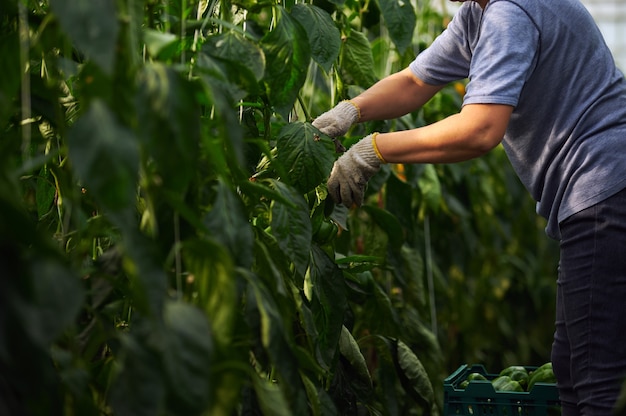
x: 375, y: 146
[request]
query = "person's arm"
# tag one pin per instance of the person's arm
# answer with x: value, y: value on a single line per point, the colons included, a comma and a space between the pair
x: 394, y: 96
x: 474, y: 131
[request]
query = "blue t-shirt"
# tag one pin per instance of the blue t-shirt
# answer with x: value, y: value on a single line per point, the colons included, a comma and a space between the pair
x: 566, y: 138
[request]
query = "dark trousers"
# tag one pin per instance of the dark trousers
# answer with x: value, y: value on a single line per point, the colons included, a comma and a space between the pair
x: 589, y: 349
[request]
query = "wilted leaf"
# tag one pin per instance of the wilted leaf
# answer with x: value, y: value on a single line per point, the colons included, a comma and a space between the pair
x: 288, y: 55
x: 324, y: 37
x: 307, y: 156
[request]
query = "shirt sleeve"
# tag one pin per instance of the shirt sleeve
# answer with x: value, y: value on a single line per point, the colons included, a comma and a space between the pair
x: 448, y: 58
x: 504, y: 56
x: 496, y: 49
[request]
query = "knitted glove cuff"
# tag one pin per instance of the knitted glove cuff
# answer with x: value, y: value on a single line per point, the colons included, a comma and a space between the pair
x: 338, y: 120
x: 366, y: 153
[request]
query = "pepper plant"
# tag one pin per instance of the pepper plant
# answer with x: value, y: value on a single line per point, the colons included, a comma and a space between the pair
x: 167, y: 244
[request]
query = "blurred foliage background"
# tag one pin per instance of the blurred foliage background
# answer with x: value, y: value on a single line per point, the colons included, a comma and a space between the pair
x: 166, y: 243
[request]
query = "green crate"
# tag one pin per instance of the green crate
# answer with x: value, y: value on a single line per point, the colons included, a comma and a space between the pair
x: 480, y: 398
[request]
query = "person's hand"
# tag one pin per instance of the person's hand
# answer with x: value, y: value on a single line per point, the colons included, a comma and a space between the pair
x: 337, y: 121
x: 352, y: 171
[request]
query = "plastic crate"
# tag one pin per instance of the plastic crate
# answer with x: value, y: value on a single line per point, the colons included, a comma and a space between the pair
x: 480, y: 398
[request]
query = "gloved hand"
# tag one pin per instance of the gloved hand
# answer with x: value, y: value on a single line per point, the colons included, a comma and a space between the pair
x: 352, y: 171
x: 338, y: 120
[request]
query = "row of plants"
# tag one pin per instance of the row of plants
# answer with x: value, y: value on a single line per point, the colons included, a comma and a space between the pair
x: 167, y: 244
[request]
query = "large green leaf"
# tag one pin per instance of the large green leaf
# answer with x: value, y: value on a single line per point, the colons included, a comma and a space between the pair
x: 236, y: 49
x: 430, y: 187
x: 324, y: 37
x: 357, y: 60
x: 291, y: 226
x: 228, y: 223
x: 106, y: 157
x: 271, y: 398
x: 93, y: 27
x: 275, y: 338
x: 400, y: 20
x: 169, y: 124
x: 351, y: 351
x: 288, y: 55
x: 307, y: 155
x: 388, y: 223
x: 214, y: 278
x: 413, y: 375
x: 328, y: 303
x: 140, y: 386
x: 188, y: 358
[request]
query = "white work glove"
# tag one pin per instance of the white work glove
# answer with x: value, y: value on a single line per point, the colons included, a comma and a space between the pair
x: 352, y: 171
x: 337, y: 121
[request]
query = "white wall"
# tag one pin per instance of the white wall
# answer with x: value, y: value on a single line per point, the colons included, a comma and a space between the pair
x: 610, y: 15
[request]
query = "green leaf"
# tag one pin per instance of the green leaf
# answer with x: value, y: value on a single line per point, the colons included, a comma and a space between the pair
x: 236, y: 49
x: 400, y: 20
x: 228, y: 223
x: 351, y: 351
x: 188, y: 357
x: 306, y: 154
x: 271, y: 398
x: 139, y: 387
x: 275, y: 340
x: 214, y: 279
x: 430, y: 187
x: 156, y: 41
x: 10, y: 80
x: 45, y: 192
x: 93, y: 26
x: 357, y: 60
x: 169, y: 117
x: 328, y: 303
x: 54, y: 302
x: 388, y: 223
x: 291, y: 226
x: 288, y: 55
x: 414, y: 376
x: 324, y: 37
x: 106, y: 156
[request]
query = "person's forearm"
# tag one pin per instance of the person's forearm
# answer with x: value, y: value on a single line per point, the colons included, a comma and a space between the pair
x: 394, y: 96
x: 467, y: 135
